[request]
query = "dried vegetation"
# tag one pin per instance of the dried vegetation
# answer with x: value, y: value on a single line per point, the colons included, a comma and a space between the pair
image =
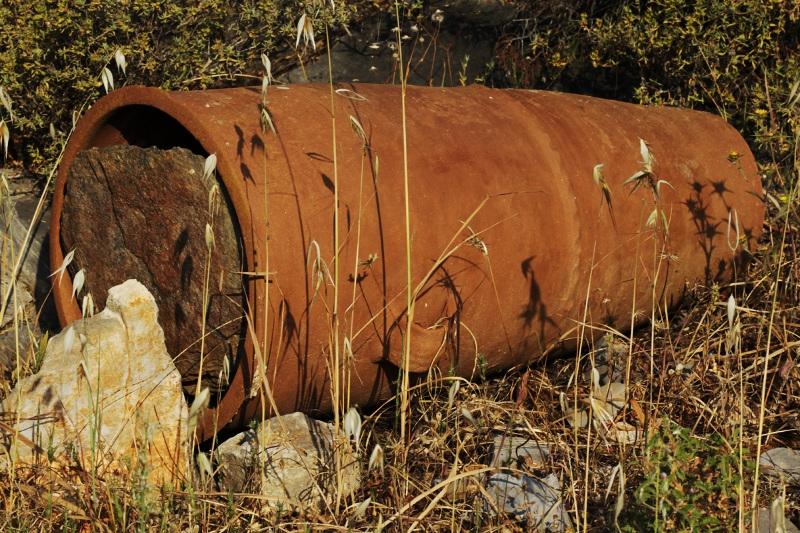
x: 703, y: 390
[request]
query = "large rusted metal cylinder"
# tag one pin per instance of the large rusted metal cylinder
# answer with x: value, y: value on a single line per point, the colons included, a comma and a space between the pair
x: 514, y: 239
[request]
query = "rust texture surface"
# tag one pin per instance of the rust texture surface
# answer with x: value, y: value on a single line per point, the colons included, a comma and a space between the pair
x: 511, y: 233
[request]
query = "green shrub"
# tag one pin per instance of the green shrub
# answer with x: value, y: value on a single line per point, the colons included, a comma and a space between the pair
x: 737, y: 59
x: 690, y: 483
x: 54, y: 52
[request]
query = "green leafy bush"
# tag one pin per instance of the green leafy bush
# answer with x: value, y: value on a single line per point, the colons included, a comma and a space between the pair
x: 55, y: 50
x: 690, y: 483
x: 738, y: 59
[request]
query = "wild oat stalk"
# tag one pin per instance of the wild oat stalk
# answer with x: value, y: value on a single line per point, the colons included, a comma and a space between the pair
x: 765, y: 370
x: 305, y: 29
x: 581, y: 335
x: 261, y: 352
x: 348, y: 342
x: 405, y: 379
x: 20, y: 253
x: 209, y: 170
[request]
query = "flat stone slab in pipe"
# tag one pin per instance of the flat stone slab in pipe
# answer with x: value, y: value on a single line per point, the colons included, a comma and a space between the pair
x: 523, y: 221
x: 142, y: 213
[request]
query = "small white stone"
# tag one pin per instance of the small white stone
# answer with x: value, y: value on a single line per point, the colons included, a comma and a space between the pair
x: 299, y: 462
x: 783, y: 463
x: 510, y: 450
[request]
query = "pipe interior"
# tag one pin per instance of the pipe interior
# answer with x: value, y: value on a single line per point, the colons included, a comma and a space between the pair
x: 145, y: 126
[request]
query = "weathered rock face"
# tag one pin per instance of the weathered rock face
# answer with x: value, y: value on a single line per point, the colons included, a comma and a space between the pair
x: 107, y: 395
x: 141, y: 213
x: 516, y: 452
x: 783, y: 463
x: 17, y: 208
x: 455, y: 45
x: 514, y: 490
x: 299, y: 456
x: 774, y: 521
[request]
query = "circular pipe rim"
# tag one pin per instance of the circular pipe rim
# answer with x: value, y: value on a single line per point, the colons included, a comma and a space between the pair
x: 233, y: 399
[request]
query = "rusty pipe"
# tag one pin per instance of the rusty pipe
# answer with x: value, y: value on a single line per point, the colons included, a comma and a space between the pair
x: 514, y: 239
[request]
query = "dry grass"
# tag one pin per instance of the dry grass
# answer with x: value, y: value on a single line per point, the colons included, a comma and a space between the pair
x: 698, y: 383
x: 733, y: 385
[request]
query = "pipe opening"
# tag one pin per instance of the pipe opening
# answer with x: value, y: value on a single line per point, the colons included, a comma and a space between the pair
x: 136, y: 205
x: 144, y: 126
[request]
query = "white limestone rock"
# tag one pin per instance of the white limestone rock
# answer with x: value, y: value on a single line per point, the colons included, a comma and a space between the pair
x: 298, y: 462
x: 107, y: 394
